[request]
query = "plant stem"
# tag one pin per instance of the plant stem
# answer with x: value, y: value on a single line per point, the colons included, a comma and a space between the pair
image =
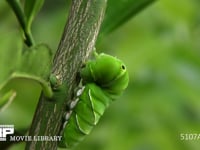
x: 15, y: 5
x: 77, y: 43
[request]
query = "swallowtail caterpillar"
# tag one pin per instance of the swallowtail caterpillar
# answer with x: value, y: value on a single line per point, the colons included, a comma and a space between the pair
x: 103, y: 79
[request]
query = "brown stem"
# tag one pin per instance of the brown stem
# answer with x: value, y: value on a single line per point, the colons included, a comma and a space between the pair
x: 77, y: 43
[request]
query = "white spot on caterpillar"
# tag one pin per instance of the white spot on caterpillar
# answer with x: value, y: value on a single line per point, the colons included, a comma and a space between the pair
x: 73, y: 103
x: 64, y: 124
x: 67, y: 115
x: 80, y: 91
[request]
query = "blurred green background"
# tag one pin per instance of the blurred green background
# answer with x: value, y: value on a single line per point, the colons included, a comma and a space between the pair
x: 161, y: 48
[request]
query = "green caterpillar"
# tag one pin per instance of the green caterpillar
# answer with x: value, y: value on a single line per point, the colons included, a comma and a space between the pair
x: 103, y: 79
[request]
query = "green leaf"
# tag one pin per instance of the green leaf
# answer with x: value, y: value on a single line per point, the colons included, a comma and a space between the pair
x: 36, y: 61
x: 120, y: 11
x: 31, y: 8
x: 35, y: 65
x: 10, y: 52
x: 6, y: 99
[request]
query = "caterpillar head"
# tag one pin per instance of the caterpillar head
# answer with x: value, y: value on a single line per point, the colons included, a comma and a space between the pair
x: 108, y: 72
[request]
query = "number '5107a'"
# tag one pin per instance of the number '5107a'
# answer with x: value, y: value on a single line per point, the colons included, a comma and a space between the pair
x: 190, y: 136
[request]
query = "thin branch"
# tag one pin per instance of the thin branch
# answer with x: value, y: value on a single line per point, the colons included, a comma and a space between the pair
x: 77, y: 43
x: 15, y: 5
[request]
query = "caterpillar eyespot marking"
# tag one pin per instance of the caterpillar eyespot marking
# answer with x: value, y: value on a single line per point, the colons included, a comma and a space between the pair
x: 103, y: 80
